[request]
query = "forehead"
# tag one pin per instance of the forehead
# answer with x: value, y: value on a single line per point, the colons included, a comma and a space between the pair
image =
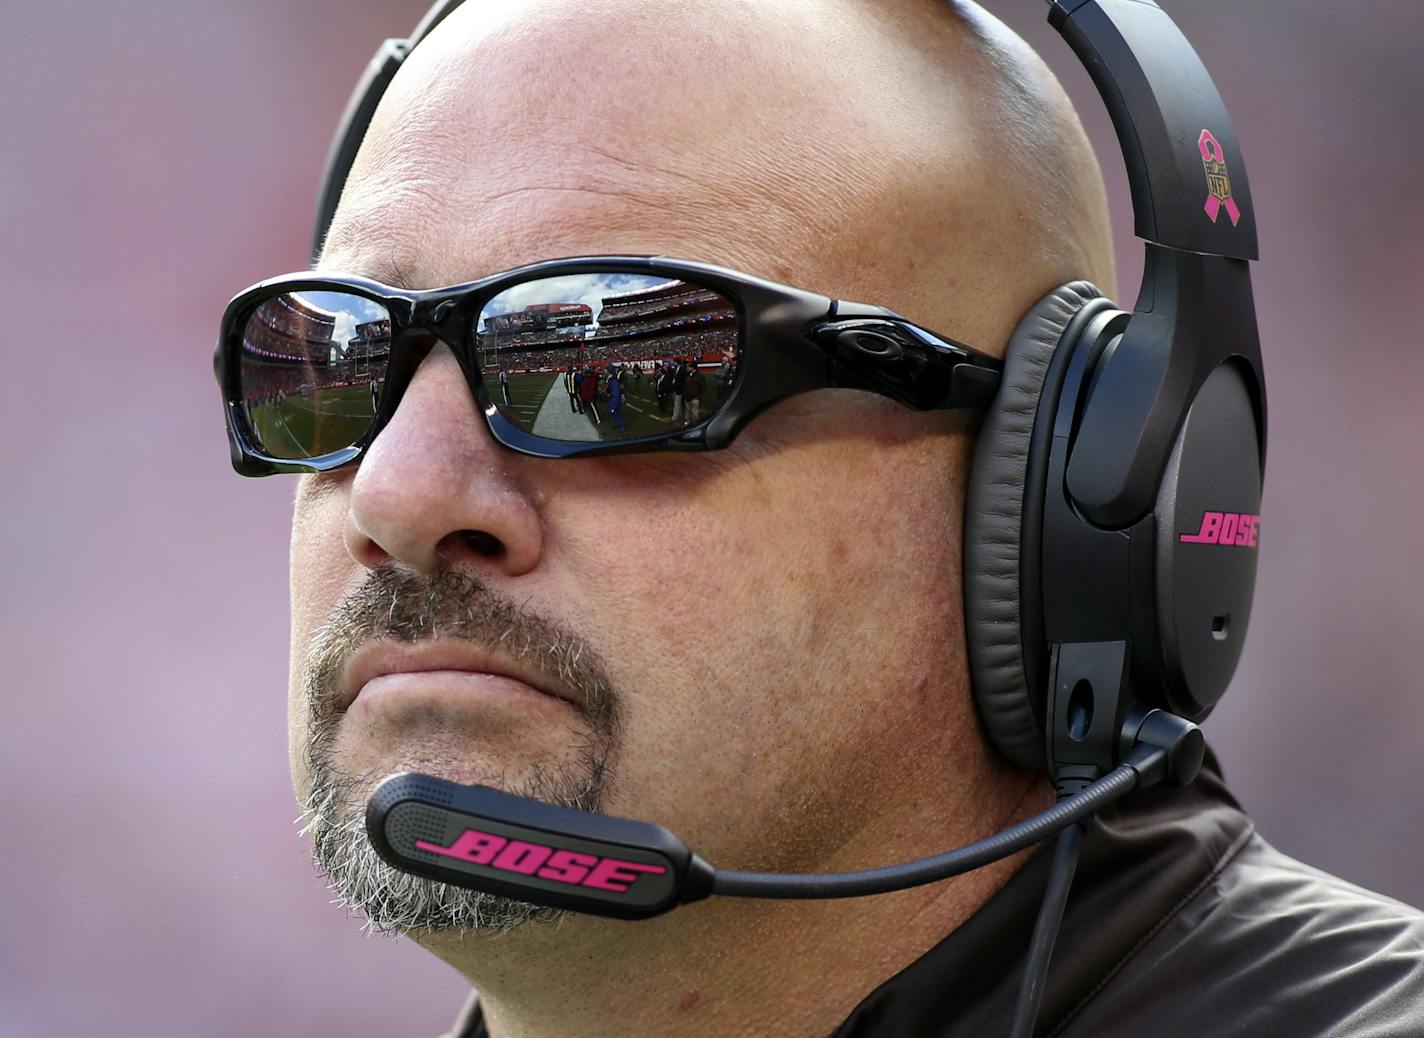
x: 523, y: 132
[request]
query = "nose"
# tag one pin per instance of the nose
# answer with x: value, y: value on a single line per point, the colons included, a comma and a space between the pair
x: 434, y: 487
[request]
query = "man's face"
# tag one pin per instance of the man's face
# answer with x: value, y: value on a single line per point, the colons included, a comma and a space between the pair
x: 729, y: 639
x: 760, y: 647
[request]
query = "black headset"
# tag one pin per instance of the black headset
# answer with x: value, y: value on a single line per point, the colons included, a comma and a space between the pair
x: 1110, y: 531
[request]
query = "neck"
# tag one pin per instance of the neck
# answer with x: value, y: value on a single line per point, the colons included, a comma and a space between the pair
x: 742, y: 966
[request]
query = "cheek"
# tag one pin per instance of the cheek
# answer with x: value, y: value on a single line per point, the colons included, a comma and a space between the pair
x: 768, y: 625
x: 321, y: 573
x: 320, y: 564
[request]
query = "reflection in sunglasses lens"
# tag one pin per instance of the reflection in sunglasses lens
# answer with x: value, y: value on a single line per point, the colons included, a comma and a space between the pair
x: 607, y: 356
x: 312, y: 367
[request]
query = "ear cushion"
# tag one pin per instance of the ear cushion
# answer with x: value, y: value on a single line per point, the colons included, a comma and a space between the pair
x: 993, y: 525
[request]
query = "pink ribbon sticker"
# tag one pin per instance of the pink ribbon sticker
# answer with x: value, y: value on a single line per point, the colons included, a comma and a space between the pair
x: 1217, y: 180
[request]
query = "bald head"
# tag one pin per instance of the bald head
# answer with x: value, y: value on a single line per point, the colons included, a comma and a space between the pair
x: 913, y: 153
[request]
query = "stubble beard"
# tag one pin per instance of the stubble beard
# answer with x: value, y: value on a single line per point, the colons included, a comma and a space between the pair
x: 396, y: 604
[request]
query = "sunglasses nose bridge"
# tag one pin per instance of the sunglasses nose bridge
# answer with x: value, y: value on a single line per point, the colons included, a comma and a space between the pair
x: 435, y: 317
x: 444, y: 320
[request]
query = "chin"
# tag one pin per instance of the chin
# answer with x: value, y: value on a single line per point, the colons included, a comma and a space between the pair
x: 574, y: 777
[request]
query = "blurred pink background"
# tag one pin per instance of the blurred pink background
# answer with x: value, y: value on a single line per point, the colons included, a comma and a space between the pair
x: 153, y: 884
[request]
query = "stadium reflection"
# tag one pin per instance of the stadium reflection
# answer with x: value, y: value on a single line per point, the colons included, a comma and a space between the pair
x: 607, y: 356
x: 602, y: 356
x: 312, y: 368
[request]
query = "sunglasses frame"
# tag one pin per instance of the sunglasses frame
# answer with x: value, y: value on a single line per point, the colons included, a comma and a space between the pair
x: 799, y: 341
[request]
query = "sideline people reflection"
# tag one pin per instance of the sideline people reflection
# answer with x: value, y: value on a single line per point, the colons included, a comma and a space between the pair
x: 583, y: 332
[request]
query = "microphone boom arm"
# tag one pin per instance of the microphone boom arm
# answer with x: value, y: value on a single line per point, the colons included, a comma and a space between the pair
x: 482, y: 839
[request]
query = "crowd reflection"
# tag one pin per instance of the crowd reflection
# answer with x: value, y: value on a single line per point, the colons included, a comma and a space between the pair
x: 632, y: 355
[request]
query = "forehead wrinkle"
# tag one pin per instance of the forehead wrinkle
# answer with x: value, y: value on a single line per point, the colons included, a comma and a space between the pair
x: 770, y: 214
x: 391, y: 196
x: 401, y: 216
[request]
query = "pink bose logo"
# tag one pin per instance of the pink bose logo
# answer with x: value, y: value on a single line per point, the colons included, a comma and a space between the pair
x: 535, y: 859
x: 1233, y: 528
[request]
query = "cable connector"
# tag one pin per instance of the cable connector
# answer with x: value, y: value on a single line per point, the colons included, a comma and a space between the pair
x: 1069, y: 779
x: 1164, y: 749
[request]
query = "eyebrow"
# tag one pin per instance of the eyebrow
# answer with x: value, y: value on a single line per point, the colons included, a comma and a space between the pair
x: 377, y: 268
x: 386, y: 274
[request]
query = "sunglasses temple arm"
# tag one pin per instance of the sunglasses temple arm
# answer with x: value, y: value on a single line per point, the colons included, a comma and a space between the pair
x: 878, y: 350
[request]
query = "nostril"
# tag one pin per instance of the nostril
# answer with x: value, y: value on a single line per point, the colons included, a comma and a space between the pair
x: 484, y: 543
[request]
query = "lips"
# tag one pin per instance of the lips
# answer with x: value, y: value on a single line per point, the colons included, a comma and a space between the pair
x: 386, y: 657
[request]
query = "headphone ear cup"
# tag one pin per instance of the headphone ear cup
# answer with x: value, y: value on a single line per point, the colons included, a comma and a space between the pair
x: 993, y: 529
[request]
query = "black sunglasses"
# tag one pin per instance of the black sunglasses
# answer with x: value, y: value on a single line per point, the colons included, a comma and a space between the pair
x: 565, y: 358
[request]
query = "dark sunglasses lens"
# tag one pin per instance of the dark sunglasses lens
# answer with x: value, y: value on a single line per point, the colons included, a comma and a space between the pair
x: 608, y: 356
x: 312, y: 367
